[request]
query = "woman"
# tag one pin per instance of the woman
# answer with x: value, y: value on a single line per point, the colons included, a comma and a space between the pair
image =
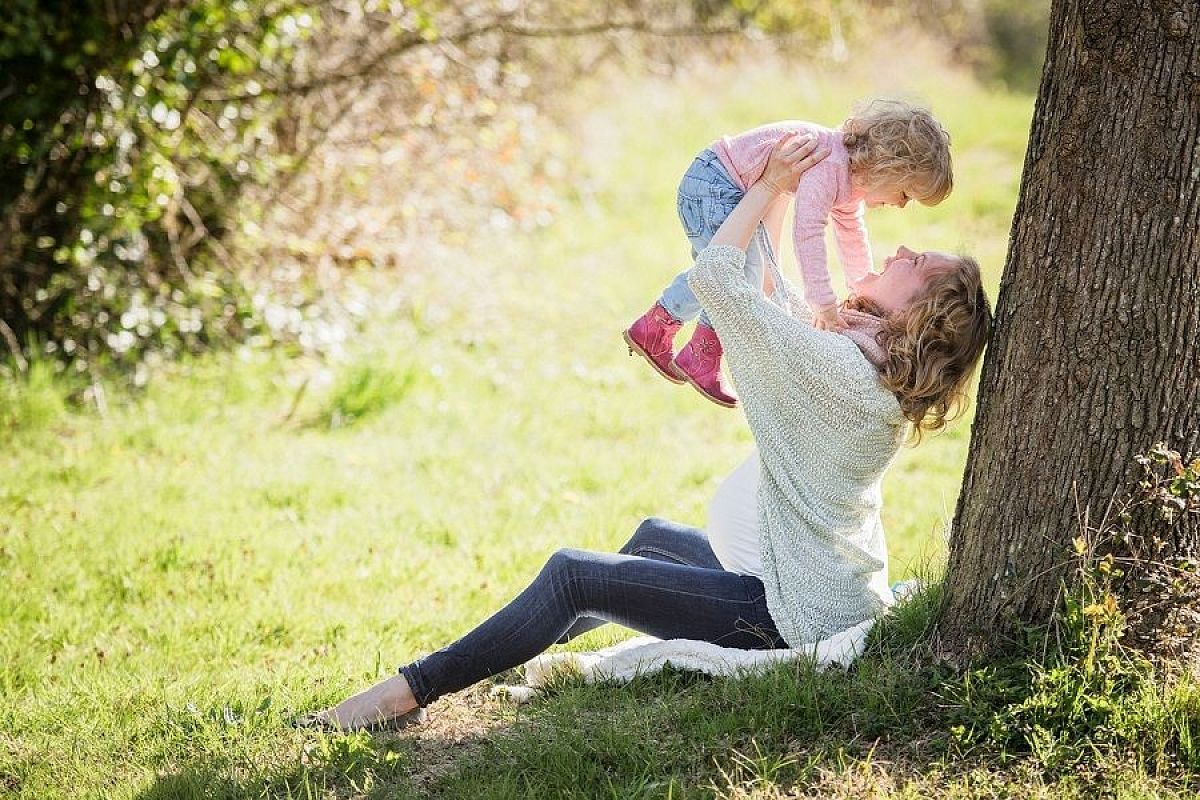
x: 795, y: 550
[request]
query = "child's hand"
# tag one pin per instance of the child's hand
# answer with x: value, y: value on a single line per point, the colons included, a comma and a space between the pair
x: 829, y: 320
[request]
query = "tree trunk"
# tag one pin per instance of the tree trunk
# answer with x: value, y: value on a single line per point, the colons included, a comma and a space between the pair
x: 1095, y: 354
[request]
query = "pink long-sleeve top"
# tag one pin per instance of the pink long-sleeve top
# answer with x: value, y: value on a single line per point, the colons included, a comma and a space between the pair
x: 824, y: 194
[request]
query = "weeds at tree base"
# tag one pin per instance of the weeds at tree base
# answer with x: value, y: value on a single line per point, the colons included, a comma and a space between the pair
x: 1092, y: 688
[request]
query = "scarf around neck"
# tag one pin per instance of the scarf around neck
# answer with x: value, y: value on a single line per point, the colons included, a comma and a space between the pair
x: 862, y: 328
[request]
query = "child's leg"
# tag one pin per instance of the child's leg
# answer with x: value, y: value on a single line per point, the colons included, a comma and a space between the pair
x: 699, y: 362
x: 706, y: 197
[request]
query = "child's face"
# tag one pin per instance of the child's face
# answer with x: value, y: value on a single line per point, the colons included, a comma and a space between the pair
x: 886, y: 196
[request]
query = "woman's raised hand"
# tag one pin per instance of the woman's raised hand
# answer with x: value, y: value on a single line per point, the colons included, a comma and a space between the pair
x: 790, y: 158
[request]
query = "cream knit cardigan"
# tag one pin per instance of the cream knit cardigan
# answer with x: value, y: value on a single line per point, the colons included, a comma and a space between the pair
x: 826, y: 430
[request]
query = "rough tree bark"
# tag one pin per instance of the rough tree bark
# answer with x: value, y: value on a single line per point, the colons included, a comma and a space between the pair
x: 1095, y: 355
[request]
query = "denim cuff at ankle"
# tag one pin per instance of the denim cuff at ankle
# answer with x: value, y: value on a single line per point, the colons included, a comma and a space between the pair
x: 416, y: 683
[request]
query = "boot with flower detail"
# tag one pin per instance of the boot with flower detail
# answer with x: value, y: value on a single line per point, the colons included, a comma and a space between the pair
x: 699, y: 363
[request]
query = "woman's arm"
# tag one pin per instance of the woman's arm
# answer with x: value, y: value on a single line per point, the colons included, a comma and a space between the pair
x: 766, y: 198
x: 774, y: 225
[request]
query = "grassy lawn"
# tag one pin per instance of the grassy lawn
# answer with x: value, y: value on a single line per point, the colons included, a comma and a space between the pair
x: 183, y: 573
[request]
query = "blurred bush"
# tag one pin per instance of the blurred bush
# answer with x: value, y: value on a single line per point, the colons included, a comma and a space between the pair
x: 1015, y: 41
x: 1003, y: 41
x: 127, y: 133
x: 142, y: 143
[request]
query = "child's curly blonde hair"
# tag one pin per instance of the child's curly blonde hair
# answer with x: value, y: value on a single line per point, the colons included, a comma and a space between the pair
x: 897, y: 145
x: 933, y: 345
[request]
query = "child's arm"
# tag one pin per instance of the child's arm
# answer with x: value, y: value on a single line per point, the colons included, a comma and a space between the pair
x: 854, y: 248
x: 814, y: 200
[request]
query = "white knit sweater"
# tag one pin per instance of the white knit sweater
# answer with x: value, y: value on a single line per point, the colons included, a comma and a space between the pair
x: 826, y: 430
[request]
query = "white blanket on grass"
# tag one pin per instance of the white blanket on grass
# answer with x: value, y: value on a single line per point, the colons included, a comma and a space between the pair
x: 645, y: 654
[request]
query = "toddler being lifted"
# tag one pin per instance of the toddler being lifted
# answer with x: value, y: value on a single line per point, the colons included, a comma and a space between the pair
x: 887, y: 153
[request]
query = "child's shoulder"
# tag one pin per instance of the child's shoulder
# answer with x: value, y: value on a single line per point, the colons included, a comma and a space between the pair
x: 784, y: 127
x: 765, y: 136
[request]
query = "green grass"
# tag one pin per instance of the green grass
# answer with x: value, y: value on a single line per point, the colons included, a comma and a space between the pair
x: 365, y: 389
x: 252, y: 537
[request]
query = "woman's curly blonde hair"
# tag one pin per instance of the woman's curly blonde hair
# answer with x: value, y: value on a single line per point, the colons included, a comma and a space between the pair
x: 933, y: 345
x: 896, y: 145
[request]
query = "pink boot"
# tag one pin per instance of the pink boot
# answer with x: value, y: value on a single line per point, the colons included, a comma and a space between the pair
x: 699, y: 363
x: 652, y: 337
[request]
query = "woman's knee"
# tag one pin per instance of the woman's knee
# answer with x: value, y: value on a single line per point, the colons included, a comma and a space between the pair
x: 563, y: 563
x: 569, y: 573
x: 649, y: 532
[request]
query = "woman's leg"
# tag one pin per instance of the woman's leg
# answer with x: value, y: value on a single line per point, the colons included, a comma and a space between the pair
x: 659, y: 540
x: 655, y: 540
x: 659, y: 598
x: 664, y: 540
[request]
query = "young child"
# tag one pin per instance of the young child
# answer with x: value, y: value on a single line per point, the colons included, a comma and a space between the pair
x: 887, y: 153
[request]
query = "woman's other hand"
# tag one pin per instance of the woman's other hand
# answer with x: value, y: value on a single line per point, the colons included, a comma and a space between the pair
x: 790, y: 158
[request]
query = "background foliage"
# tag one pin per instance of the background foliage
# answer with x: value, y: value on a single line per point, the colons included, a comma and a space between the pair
x: 254, y: 535
x: 128, y: 134
x: 179, y: 174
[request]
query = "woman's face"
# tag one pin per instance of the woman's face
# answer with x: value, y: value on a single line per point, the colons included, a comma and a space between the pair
x: 901, y: 279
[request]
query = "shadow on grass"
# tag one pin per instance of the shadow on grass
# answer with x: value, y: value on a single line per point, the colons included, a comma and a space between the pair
x: 897, y: 723
x: 792, y: 732
x: 358, y: 766
x: 672, y: 733
x: 277, y: 761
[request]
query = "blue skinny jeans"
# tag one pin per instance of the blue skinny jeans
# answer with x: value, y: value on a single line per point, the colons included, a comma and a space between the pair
x: 665, y: 582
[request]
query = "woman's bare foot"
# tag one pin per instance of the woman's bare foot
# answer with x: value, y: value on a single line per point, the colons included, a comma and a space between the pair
x: 384, y: 702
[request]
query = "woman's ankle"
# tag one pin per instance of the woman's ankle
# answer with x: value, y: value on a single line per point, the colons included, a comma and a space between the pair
x: 405, y: 692
x: 386, y: 699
